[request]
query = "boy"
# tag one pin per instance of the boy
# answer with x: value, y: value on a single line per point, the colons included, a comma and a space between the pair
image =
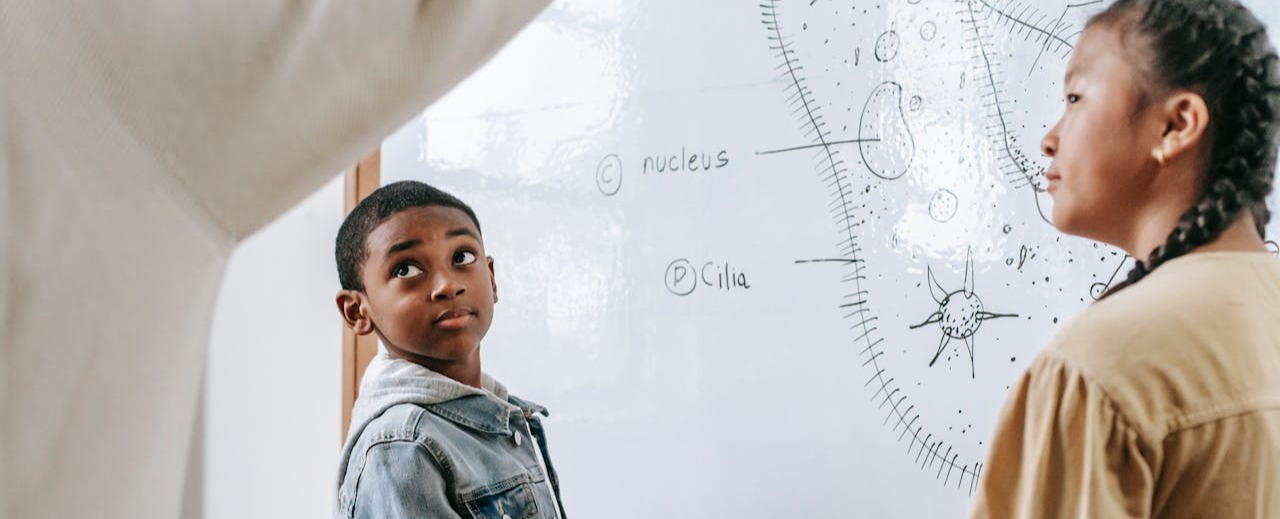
x: 431, y: 435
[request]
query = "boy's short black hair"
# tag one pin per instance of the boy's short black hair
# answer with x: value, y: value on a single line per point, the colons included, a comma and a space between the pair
x: 378, y: 207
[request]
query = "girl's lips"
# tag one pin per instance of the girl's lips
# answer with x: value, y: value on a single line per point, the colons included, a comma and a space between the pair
x: 1053, y: 179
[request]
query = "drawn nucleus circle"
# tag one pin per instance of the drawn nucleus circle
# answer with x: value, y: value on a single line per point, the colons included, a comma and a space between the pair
x: 885, y: 140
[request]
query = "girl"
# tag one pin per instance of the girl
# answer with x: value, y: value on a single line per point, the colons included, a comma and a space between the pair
x: 1163, y: 399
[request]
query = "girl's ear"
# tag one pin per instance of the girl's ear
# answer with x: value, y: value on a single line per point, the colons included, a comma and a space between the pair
x: 354, y: 307
x: 1184, y: 120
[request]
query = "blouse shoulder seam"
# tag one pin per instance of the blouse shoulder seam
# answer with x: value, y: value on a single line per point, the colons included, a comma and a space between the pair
x: 1216, y: 413
x: 1122, y: 416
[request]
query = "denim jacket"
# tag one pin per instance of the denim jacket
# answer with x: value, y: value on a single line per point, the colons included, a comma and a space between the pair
x: 422, y: 445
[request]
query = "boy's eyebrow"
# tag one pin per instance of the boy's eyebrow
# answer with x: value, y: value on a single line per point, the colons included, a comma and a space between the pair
x: 461, y: 231
x: 404, y: 245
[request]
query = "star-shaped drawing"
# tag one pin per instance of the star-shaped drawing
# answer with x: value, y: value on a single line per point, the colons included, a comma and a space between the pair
x: 960, y: 313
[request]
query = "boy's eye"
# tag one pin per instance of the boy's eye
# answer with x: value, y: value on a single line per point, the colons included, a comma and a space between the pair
x: 464, y: 257
x: 404, y: 271
x: 1072, y: 98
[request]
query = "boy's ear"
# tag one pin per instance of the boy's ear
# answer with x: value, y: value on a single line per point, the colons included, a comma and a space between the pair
x: 353, y: 306
x: 493, y: 280
x: 1186, y: 123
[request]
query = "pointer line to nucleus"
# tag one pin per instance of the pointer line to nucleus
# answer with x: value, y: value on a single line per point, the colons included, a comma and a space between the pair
x: 819, y: 145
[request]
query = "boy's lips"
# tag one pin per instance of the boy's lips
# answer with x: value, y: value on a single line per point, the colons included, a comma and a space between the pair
x: 454, y: 319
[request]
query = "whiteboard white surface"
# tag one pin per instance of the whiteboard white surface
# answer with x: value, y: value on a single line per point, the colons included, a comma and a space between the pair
x: 725, y: 232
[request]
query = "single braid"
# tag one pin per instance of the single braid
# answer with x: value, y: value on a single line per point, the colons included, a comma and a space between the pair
x: 1218, y: 49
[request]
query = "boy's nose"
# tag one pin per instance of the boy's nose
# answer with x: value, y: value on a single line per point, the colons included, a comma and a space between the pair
x: 447, y: 289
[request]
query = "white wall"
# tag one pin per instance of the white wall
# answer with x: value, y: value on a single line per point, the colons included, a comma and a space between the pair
x: 806, y: 386
x: 272, y: 417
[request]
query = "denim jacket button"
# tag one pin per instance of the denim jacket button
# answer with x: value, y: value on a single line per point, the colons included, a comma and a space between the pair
x: 505, y: 516
x: 516, y: 436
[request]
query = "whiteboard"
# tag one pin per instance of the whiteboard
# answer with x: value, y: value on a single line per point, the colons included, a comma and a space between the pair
x: 768, y: 259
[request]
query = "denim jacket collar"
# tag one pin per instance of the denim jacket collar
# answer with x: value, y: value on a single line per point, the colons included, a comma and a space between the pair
x: 390, y: 381
x: 485, y: 413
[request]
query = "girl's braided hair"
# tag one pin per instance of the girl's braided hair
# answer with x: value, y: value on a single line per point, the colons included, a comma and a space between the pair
x: 1219, y: 50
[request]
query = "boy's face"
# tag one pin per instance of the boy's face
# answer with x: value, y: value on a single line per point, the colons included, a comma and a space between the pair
x: 429, y: 288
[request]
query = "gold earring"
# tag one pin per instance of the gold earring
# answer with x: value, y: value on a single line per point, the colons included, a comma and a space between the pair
x: 1160, y: 157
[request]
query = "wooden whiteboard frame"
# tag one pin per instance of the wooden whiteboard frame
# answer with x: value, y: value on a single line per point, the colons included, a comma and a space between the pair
x: 357, y: 350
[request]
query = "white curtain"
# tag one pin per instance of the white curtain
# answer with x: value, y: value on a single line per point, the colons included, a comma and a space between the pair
x: 139, y: 141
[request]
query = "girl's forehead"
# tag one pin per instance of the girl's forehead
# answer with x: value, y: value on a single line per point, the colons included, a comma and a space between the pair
x: 1099, y: 55
x: 1097, y: 42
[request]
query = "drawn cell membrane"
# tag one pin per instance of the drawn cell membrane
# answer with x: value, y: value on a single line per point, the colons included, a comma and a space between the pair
x: 888, y: 156
x: 970, y: 38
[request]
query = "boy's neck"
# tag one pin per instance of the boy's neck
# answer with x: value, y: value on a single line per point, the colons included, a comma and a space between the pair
x: 468, y: 375
x: 465, y: 371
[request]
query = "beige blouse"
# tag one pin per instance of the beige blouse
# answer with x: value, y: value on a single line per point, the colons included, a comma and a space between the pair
x: 1160, y: 401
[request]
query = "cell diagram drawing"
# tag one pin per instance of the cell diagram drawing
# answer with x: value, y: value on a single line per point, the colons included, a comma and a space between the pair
x: 952, y: 273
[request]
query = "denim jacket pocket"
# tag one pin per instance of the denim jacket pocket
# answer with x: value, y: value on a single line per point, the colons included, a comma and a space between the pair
x: 505, y: 502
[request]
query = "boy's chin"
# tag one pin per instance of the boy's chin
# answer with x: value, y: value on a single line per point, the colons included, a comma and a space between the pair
x: 456, y: 350
x: 439, y: 353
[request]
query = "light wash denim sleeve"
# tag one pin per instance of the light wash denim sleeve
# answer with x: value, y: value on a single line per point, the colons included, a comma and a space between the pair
x: 401, y: 481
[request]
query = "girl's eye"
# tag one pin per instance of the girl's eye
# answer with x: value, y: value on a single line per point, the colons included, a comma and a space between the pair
x: 1072, y: 98
x: 464, y: 257
x: 405, y: 271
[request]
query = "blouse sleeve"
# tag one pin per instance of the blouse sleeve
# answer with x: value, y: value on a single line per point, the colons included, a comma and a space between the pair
x: 1061, y: 448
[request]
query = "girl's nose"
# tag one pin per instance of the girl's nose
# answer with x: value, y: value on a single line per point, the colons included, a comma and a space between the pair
x: 1049, y: 144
